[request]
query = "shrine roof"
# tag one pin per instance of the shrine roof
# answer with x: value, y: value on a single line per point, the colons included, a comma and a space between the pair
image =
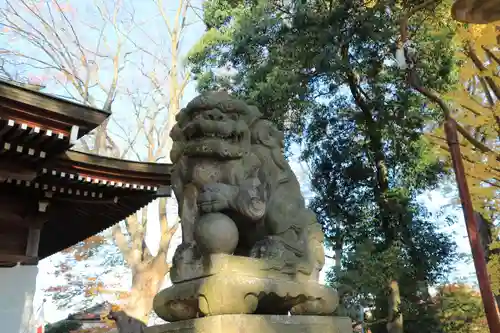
x: 91, y: 193
x: 72, y: 195
x: 81, y: 195
x: 48, y: 109
x: 35, y: 126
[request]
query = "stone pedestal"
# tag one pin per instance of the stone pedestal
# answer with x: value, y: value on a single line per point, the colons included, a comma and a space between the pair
x: 257, y: 324
x: 226, y: 284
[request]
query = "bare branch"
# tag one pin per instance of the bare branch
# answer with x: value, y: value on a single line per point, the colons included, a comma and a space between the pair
x: 122, y: 243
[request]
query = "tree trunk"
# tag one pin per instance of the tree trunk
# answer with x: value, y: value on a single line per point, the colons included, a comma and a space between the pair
x: 338, y: 255
x: 100, y: 138
x: 148, y: 271
x: 372, y: 132
x: 145, y: 285
x: 395, y: 320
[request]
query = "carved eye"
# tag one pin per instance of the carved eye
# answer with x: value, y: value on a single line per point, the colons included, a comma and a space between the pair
x: 230, y: 107
x: 197, y: 115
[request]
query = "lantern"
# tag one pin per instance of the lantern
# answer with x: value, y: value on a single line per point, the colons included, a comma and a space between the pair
x: 476, y: 11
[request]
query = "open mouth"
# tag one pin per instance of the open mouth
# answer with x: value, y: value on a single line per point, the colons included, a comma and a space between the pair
x: 200, y: 130
x: 213, y: 147
x: 230, y: 138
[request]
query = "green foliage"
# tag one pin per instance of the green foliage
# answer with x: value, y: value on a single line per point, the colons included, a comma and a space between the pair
x: 494, y: 266
x: 245, y: 51
x: 325, y: 72
x: 460, y: 309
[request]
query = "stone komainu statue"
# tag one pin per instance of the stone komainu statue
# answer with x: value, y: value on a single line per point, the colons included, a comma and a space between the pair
x: 249, y: 244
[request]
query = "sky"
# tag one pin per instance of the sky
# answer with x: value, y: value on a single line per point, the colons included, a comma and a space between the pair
x: 434, y: 201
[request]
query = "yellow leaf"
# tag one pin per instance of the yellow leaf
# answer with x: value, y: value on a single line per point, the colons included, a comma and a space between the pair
x: 476, y: 30
x: 370, y: 3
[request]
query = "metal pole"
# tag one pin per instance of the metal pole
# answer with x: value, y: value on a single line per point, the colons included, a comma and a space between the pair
x: 490, y: 309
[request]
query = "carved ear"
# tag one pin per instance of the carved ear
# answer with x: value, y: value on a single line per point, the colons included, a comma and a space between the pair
x: 262, y: 134
x: 176, y: 152
x: 180, y: 115
x: 266, y: 134
x: 254, y: 111
x: 252, y: 114
x: 176, y: 133
x: 177, y: 178
x: 280, y: 136
x: 178, y: 143
x: 280, y: 161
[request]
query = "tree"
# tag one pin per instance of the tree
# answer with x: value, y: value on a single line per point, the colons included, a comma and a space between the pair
x: 474, y: 105
x: 478, y: 110
x: 460, y: 309
x: 324, y: 70
x: 42, y: 37
x: 92, y: 271
x: 107, y: 56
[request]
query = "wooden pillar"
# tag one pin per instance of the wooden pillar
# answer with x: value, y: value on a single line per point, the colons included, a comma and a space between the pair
x: 478, y: 256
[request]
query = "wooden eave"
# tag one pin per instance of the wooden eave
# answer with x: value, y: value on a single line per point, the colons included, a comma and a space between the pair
x: 35, y: 127
x: 110, y: 191
x: 33, y: 107
x: 84, y: 194
x: 106, y: 171
x: 50, y: 197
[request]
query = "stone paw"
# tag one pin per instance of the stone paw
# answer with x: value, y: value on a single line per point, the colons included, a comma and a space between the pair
x: 228, y: 301
x: 317, y: 307
x: 187, y: 262
x: 179, y: 310
x: 270, y: 248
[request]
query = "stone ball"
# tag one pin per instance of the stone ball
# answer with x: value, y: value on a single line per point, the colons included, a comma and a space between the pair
x: 216, y: 233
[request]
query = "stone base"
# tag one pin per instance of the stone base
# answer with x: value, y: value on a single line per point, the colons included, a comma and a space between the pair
x: 241, y: 285
x: 242, y: 294
x: 257, y: 323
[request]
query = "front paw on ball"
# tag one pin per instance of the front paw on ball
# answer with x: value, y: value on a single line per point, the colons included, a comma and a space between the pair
x: 209, y: 206
x: 216, y: 197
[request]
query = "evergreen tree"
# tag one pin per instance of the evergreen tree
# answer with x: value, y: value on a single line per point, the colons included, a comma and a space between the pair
x: 324, y: 70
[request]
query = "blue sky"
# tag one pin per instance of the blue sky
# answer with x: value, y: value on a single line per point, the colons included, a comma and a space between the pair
x: 156, y: 30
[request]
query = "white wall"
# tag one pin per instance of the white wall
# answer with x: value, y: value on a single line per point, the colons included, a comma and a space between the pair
x: 17, y: 289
